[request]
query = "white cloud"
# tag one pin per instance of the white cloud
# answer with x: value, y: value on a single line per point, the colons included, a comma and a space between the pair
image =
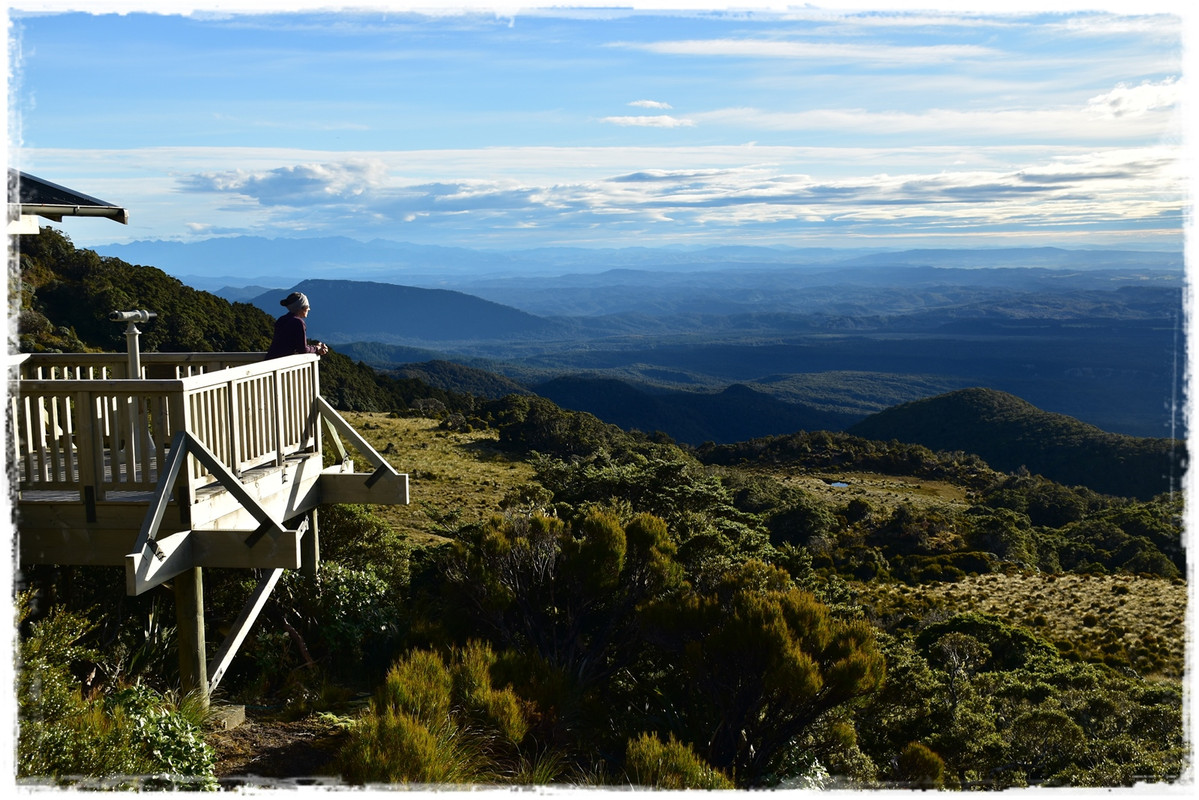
x: 658, y: 121
x: 1144, y: 112
x: 650, y: 104
x: 521, y: 197
x: 809, y: 50
x: 301, y: 184
x: 1137, y: 101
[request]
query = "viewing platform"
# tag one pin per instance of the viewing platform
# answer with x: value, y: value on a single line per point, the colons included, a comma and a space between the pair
x: 166, y: 463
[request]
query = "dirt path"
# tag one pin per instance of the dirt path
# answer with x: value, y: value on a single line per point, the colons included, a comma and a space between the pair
x: 267, y: 750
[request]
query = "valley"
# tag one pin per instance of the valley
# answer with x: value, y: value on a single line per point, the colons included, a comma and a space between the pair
x: 655, y: 339
x: 1016, y: 571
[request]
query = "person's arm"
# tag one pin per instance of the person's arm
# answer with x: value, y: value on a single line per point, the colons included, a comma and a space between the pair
x: 320, y: 348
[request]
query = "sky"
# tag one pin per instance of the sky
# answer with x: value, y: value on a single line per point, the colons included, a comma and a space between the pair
x: 689, y: 124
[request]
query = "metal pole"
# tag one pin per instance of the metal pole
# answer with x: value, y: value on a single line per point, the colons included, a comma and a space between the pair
x: 135, y: 359
x: 131, y: 334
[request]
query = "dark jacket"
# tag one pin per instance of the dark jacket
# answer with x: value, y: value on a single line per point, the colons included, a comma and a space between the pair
x: 291, y: 337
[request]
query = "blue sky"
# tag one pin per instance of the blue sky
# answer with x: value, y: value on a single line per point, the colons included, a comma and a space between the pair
x: 684, y: 125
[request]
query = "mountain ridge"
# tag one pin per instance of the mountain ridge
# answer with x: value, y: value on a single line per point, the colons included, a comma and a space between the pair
x: 356, y: 310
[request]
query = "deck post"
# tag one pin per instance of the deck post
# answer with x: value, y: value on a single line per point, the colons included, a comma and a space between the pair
x: 189, y: 621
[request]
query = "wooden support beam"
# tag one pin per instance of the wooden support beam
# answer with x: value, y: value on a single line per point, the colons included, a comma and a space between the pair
x: 355, y: 487
x: 330, y: 415
x: 158, y: 561
x: 163, y: 491
x: 162, y: 559
x: 241, y: 628
x: 233, y: 485
x: 189, y: 620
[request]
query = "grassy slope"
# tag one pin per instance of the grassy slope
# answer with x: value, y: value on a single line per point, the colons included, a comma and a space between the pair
x: 454, y: 477
x: 1095, y: 616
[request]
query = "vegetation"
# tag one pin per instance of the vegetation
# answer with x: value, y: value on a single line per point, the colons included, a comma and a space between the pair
x: 568, y: 602
x: 1011, y: 434
x: 131, y: 737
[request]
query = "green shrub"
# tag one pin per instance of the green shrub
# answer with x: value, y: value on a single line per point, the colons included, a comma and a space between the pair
x: 355, y: 537
x: 394, y: 748
x: 130, y: 738
x: 920, y: 768
x: 439, y: 721
x: 346, y: 617
x: 669, y: 765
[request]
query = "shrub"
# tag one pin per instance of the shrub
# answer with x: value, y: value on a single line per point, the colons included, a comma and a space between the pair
x: 347, y: 617
x: 920, y: 768
x: 669, y: 765
x: 131, y: 738
x: 393, y: 747
x: 439, y: 721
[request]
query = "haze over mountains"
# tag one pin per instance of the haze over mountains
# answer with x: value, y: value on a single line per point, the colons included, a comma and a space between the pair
x: 719, y: 344
x: 247, y: 260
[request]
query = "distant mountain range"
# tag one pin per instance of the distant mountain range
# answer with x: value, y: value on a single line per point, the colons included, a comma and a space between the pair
x: 817, y: 336
x: 880, y: 371
x: 345, y: 311
x: 216, y: 263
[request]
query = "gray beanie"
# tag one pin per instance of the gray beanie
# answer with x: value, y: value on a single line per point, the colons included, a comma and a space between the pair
x: 294, y: 302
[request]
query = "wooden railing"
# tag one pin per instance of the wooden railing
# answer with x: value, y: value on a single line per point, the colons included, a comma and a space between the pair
x: 80, y: 425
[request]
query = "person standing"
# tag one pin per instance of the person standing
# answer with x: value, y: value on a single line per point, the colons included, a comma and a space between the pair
x: 291, y: 331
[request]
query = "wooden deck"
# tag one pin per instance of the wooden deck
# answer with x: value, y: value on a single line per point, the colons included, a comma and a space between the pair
x: 201, y: 460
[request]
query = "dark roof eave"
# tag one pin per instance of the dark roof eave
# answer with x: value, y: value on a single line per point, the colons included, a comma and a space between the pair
x: 57, y: 212
x: 34, y: 196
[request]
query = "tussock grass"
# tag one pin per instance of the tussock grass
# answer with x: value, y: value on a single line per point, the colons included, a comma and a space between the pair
x: 454, y: 477
x: 1127, y: 621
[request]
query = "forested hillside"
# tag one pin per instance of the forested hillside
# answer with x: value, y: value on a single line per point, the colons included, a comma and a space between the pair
x: 570, y: 603
x: 1011, y: 434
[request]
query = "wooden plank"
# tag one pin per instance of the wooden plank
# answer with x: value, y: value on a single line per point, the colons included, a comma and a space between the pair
x: 228, y: 549
x: 241, y: 628
x: 389, y: 489
x: 158, y: 561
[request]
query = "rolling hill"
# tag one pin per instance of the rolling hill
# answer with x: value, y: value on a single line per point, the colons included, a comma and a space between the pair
x: 737, y: 412
x: 1010, y: 433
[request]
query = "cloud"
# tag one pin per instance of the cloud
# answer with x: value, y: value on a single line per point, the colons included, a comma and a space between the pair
x: 302, y: 184
x: 810, y: 50
x: 659, y: 121
x: 650, y: 104
x: 1144, y: 112
x: 521, y: 197
x: 1137, y: 101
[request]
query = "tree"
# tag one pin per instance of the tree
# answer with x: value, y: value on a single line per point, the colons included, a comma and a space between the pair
x: 568, y: 595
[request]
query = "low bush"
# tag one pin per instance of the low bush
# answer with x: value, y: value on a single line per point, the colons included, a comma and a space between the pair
x: 650, y: 762
x: 130, y: 737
